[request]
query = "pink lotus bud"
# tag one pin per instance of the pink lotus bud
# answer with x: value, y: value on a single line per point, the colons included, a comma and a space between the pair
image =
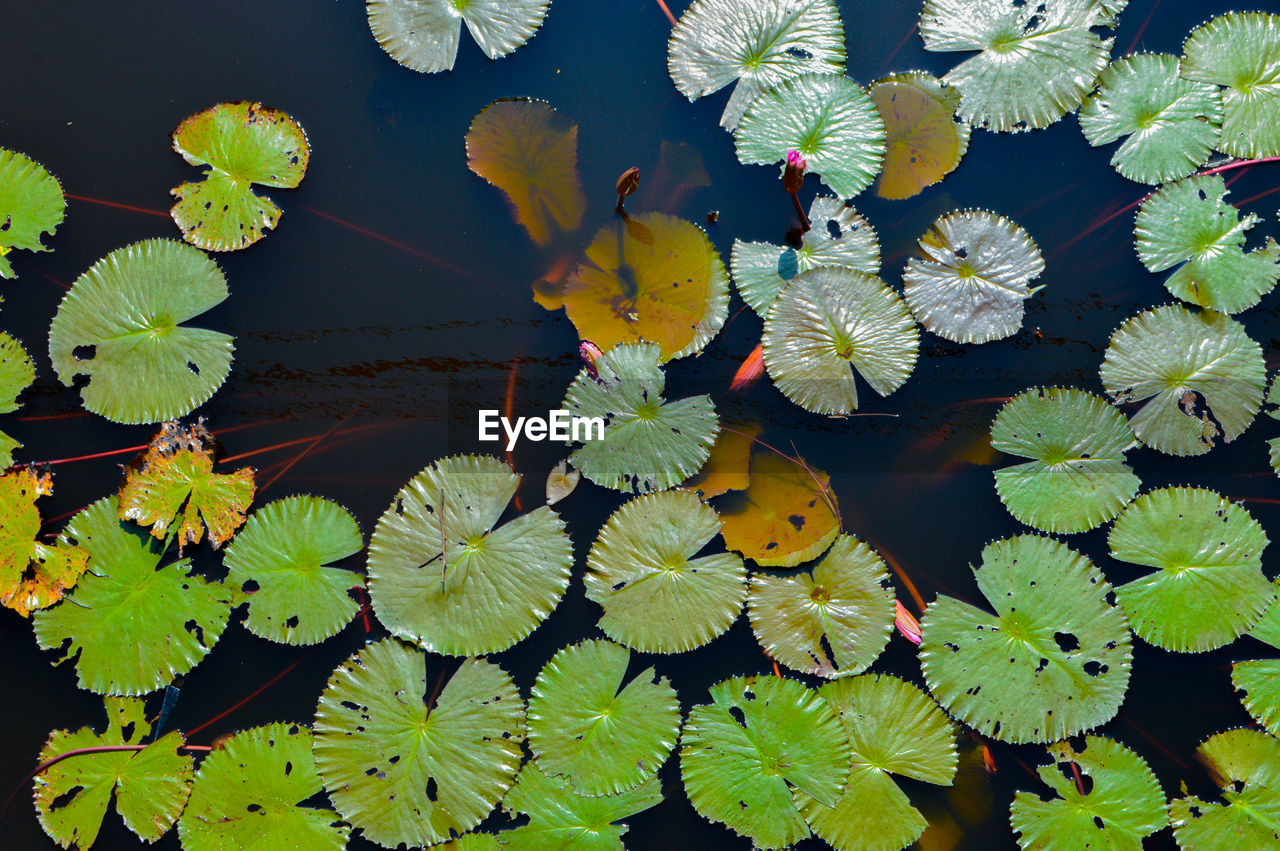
x: 906, y: 624
x: 793, y: 176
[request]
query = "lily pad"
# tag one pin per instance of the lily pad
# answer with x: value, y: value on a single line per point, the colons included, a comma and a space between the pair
x: 249, y: 794
x: 130, y: 625
x: 657, y: 596
x: 1259, y: 680
x: 1241, y: 51
x: 832, y: 621
x: 31, y: 204
x: 1052, y: 662
x: 1198, y: 375
x: 1077, y: 478
x: 975, y: 276
x: 829, y: 119
x: 1273, y: 411
x: 727, y: 468
x: 758, y: 43
x: 1170, y: 125
x: 280, y: 563
x: 242, y: 143
x: 33, y: 574
x: 924, y: 141
x: 443, y: 574
x: 423, y: 34
x: 406, y: 768
x: 1267, y: 629
x: 829, y: 325
x: 1037, y: 60
x: 121, y: 326
x: 1245, y: 764
x: 16, y: 373
x: 1209, y: 588
x: 788, y: 514
x: 561, y: 819
x: 1189, y: 224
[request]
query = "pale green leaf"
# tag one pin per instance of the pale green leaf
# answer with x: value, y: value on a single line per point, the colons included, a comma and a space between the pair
x: 562, y: 820
x: 1259, y: 680
x: 31, y: 204
x: 1245, y: 764
x: 1241, y: 51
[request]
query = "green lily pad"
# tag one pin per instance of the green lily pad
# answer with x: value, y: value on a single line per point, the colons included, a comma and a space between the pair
x: 278, y: 563
x: 150, y: 785
x: 1209, y: 588
x: 759, y: 738
x: 1170, y: 125
x: 1241, y: 51
x: 1273, y: 411
x: 1077, y: 478
x: 657, y: 597
x: 1259, y: 679
x: 587, y: 727
x: 832, y: 621
x: 16, y: 373
x: 838, y: 237
x: 423, y: 34
x: 1124, y: 803
x: 130, y: 625
x: 31, y: 204
x: 1245, y: 764
x: 404, y: 768
x: 649, y: 444
x: 829, y: 119
x: 1267, y: 629
x: 1199, y: 376
x: 121, y: 327
x: 561, y: 819
x: 33, y: 574
x: 924, y: 140
x: 7, y: 447
x: 249, y: 794
x: 1052, y: 662
x: 242, y: 143
x: 975, y: 276
x: 829, y: 325
x: 1037, y: 60
x: 758, y: 43
x: 442, y: 575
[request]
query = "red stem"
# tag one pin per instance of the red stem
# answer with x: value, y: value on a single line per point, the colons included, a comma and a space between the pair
x: 118, y: 206
x: 1237, y: 164
x: 670, y: 17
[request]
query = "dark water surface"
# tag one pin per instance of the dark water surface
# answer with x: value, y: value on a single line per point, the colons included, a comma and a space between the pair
x: 395, y: 346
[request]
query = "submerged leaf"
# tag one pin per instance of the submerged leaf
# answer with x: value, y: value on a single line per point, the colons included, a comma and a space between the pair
x: 31, y: 204
x: 33, y: 574
x: 423, y: 34
x: 727, y: 468
x: 1241, y: 51
x: 1259, y: 679
x: 1245, y: 764
x: 787, y: 516
x: 924, y: 140
x: 561, y: 819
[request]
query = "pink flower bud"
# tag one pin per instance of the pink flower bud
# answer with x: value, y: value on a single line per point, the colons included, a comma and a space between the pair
x: 793, y: 176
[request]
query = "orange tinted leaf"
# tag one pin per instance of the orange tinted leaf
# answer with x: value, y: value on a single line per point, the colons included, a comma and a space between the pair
x: 32, y: 575
x: 784, y: 517
x: 726, y: 469
x: 924, y: 142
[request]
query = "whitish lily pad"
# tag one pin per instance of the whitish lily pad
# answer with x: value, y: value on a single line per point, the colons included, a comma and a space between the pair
x: 1197, y: 375
x: 1052, y: 662
x: 31, y: 204
x: 828, y: 325
x: 561, y: 819
x: 1209, y: 588
x: 1259, y: 680
x: 924, y: 139
x: 1241, y: 50
x: 658, y: 597
x: 1123, y: 805
x: 829, y: 119
x: 121, y: 326
x: 788, y: 514
x: 1245, y: 764
x: 423, y: 34
x: 404, y: 768
x: 442, y: 575
x: 1077, y: 478
x: 832, y: 621
x: 1189, y: 224
x: 974, y: 277
x: 33, y: 574
x: 1170, y: 125
x: 758, y: 43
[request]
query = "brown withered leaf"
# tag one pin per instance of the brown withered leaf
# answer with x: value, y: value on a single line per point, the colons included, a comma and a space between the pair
x: 33, y: 575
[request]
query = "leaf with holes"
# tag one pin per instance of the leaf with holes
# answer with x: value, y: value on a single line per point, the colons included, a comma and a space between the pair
x: 33, y: 575
x: 560, y: 818
x: 1245, y: 765
x: 423, y: 34
x: 788, y: 514
x: 924, y: 140
x: 31, y: 204
x: 1259, y: 681
x: 727, y: 468
x: 1241, y: 51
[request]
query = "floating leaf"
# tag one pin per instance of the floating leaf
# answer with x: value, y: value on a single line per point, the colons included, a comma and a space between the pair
x: 423, y: 34
x: 759, y: 738
x: 652, y: 278
x: 727, y: 467
x: 1124, y: 803
x: 975, y: 276
x: 758, y: 43
x: 150, y: 785
x: 649, y: 444
x: 832, y: 621
x: 16, y: 374
x: 827, y: 326
x: 31, y: 204
x: 1052, y: 662
x: 1273, y: 411
x: 249, y: 794
x: 923, y: 139
x: 829, y: 119
x: 657, y: 597
x: 1245, y: 764
x: 130, y: 625
x: 33, y: 575
x: 1037, y: 60
x: 279, y: 563
x: 121, y: 327
x: 561, y: 482
x: 530, y: 152
x: 586, y: 727
x: 442, y: 575
x: 1077, y: 478
x: 1190, y: 225
x: 560, y: 818
x: 7, y: 447
x: 1209, y: 588
x: 838, y: 237
x: 403, y: 768
x: 787, y: 516
x: 1259, y: 679
x: 1240, y: 50
x: 242, y: 143
x: 1195, y: 372
x: 1171, y: 125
